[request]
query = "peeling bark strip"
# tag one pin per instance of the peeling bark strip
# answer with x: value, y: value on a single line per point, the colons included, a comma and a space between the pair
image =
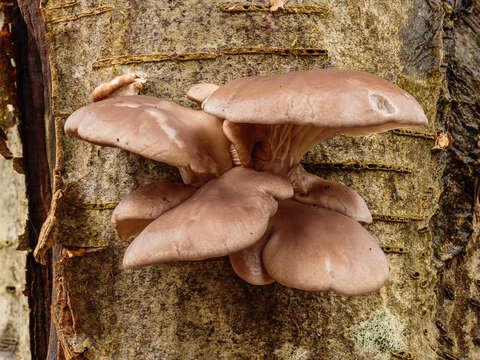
x: 276, y: 51
x: 356, y: 165
x: 397, y: 218
x: 415, y: 133
x: 62, y: 316
x: 299, y: 9
x: 148, y: 58
x: 92, y: 12
x: 46, y: 237
x: 70, y: 252
x: 33, y: 82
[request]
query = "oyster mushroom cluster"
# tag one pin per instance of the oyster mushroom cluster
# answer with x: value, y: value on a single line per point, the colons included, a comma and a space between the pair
x: 245, y: 193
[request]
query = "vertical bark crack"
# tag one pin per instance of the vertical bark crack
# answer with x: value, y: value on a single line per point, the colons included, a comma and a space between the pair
x: 33, y: 98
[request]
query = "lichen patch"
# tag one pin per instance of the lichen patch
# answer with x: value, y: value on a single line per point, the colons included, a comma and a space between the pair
x: 379, y: 335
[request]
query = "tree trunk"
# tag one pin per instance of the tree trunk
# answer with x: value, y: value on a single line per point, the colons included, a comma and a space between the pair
x: 423, y: 202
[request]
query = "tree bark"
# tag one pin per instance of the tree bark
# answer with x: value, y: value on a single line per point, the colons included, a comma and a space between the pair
x: 456, y: 235
x: 423, y: 201
x: 25, y: 175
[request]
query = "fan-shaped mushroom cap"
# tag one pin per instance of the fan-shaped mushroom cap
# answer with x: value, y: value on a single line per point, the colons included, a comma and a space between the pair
x: 324, y: 98
x: 224, y: 216
x: 156, y: 129
x: 248, y: 263
x: 298, y: 109
x: 317, y: 249
x: 145, y: 204
x: 311, y: 189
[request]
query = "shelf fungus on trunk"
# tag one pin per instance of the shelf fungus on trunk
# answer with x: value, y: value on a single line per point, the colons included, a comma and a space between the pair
x: 272, y: 121
x: 275, y: 221
x: 145, y: 204
x: 317, y: 249
x: 159, y: 130
x: 224, y: 216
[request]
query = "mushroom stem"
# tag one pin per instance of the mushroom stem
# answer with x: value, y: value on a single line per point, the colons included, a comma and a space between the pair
x: 287, y: 143
x: 275, y: 148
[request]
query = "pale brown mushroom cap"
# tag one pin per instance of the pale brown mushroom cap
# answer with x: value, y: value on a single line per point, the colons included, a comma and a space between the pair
x: 316, y: 249
x: 156, y: 129
x: 273, y: 120
x: 199, y: 92
x: 122, y: 85
x: 248, y: 263
x: 224, y: 216
x: 145, y: 204
x: 311, y: 189
x: 323, y: 98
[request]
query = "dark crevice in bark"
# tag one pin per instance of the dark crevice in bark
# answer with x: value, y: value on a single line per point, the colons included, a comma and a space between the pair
x: 459, y: 112
x: 454, y: 224
x: 32, y: 88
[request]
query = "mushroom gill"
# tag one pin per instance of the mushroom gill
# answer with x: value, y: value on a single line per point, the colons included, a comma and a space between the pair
x: 275, y: 148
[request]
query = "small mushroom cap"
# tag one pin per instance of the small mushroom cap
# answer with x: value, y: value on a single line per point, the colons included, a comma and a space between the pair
x: 248, y: 263
x: 316, y: 249
x: 311, y: 189
x: 126, y: 84
x: 199, y: 92
x: 145, y: 204
x: 156, y: 129
x: 224, y: 216
x: 324, y: 98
